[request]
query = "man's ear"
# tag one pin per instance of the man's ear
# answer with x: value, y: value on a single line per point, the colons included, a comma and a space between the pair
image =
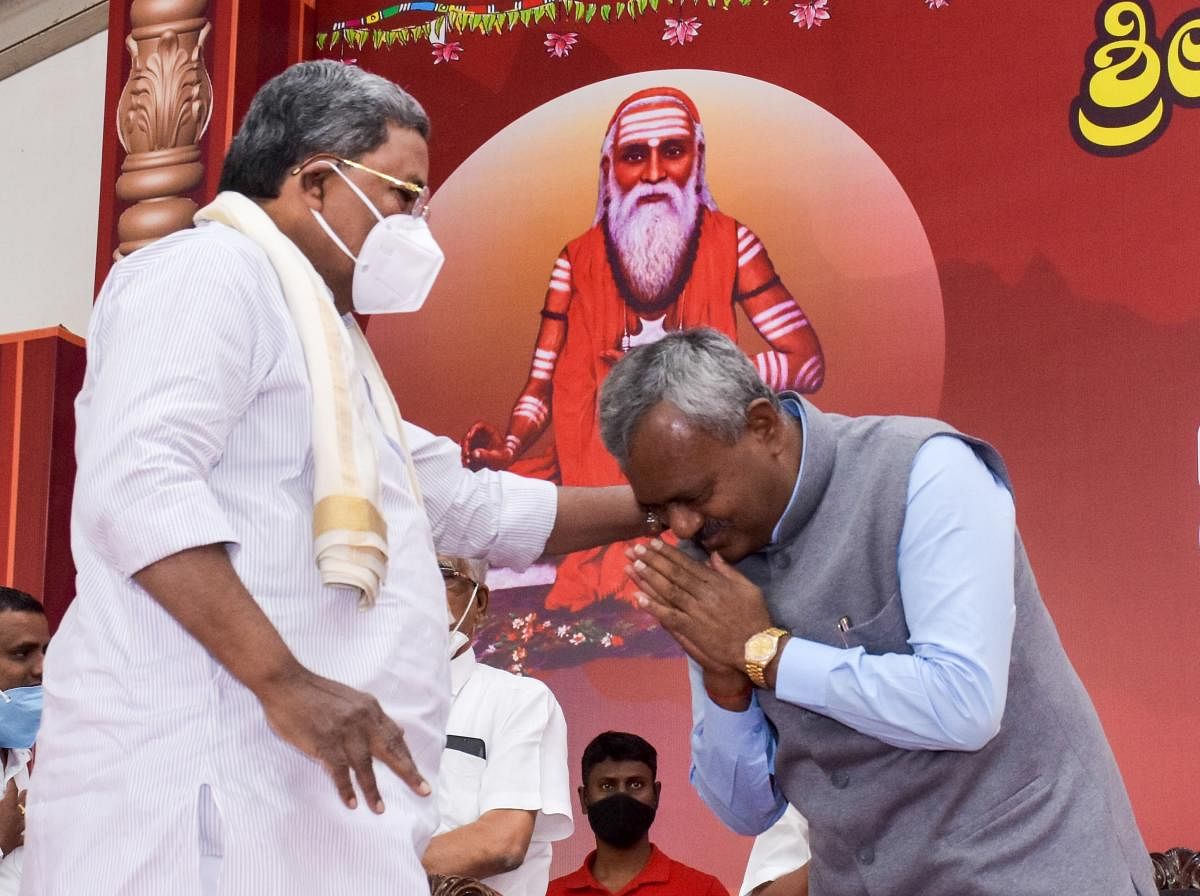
x: 482, y: 598
x: 582, y: 798
x: 762, y: 421
x: 657, y: 791
x: 311, y: 183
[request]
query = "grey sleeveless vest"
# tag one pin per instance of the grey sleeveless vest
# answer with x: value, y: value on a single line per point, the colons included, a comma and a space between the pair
x: 1041, y: 809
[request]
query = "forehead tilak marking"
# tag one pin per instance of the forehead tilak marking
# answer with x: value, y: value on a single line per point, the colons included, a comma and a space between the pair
x: 661, y: 122
x: 655, y: 109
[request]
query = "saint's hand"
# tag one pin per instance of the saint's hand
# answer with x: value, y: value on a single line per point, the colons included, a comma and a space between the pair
x: 344, y: 730
x: 484, y: 448
x: 709, y: 608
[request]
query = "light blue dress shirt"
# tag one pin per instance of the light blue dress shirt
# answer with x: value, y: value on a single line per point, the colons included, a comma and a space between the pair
x: 955, y: 563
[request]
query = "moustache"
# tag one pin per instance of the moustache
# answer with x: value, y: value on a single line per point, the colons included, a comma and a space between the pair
x: 669, y: 191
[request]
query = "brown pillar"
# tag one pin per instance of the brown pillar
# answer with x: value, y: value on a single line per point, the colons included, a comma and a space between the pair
x: 164, y: 100
x: 163, y: 112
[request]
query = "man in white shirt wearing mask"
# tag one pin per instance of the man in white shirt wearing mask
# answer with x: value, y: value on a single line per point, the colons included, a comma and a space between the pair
x: 503, y: 791
x: 250, y: 690
x: 24, y: 635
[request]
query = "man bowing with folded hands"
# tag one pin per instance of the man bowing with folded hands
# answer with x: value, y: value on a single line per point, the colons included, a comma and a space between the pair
x: 865, y: 593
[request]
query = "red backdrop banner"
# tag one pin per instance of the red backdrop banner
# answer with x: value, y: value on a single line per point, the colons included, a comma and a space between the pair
x: 987, y: 214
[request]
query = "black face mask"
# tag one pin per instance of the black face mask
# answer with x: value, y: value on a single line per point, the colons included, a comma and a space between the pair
x: 620, y: 820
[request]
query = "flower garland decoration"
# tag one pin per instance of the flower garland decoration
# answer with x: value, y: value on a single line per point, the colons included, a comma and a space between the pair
x: 492, y: 18
x: 495, y: 19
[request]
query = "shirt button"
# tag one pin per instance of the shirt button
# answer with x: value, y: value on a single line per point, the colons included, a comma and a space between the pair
x: 840, y: 779
x: 866, y: 855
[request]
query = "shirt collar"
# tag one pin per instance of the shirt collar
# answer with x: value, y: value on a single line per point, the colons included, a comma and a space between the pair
x: 582, y: 878
x: 658, y: 867
x: 461, y: 668
x: 16, y: 763
x: 796, y: 409
x: 656, y: 870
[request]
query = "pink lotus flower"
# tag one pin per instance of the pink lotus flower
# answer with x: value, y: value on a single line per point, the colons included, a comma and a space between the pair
x: 810, y: 15
x: 682, y: 31
x: 937, y: 4
x: 450, y: 52
x: 559, y: 45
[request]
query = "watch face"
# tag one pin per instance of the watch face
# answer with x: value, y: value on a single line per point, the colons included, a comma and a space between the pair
x: 760, y: 647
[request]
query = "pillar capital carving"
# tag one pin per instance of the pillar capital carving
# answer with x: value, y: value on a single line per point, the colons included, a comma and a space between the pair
x: 163, y: 112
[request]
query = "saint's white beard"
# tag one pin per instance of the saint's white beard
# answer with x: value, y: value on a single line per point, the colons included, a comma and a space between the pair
x: 652, y: 238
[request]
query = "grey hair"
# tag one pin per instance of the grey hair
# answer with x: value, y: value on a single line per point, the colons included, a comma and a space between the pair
x: 310, y: 108
x: 475, y: 570
x: 700, y: 371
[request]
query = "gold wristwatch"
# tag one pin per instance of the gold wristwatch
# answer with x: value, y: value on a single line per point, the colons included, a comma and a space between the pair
x: 760, y: 650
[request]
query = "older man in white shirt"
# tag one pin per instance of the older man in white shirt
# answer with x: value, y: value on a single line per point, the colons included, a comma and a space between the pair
x: 503, y: 792
x: 259, y: 641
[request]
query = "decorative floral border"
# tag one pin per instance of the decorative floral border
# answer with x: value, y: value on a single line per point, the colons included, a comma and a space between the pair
x: 522, y: 636
x: 490, y: 19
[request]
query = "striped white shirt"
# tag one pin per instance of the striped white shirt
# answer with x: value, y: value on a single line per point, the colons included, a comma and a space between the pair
x: 194, y: 427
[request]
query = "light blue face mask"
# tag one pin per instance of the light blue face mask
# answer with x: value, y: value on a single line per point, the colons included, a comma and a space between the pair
x: 20, y: 716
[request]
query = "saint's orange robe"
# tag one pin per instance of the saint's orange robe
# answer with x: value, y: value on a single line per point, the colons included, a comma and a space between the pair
x: 596, y: 322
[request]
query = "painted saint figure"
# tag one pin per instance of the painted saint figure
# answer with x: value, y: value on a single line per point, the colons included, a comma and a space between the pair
x: 658, y: 257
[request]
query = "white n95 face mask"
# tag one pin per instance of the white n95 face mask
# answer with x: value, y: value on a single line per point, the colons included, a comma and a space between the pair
x: 398, y: 263
x: 396, y: 268
x: 458, y: 639
x: 457, y: 642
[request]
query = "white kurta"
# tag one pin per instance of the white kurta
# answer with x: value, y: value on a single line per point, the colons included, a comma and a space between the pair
x: 193, y: 427
x: 523, y: 735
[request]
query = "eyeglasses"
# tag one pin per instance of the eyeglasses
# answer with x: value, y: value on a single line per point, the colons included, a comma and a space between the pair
x: 416, y: 194
x: 449, y: 572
